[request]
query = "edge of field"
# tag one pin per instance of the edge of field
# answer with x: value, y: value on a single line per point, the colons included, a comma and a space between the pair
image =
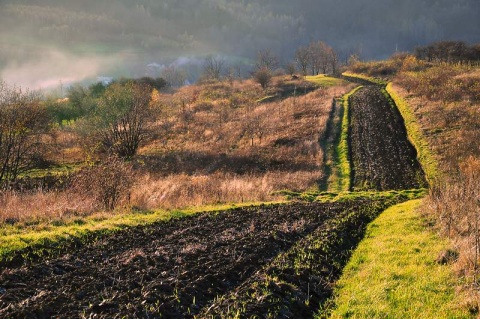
x: 393, y: 272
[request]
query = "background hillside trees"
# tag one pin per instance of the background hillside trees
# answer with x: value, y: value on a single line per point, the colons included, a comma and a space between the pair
x: 449, y: 51
x: 317, y: 57
x: 267, y: 59
x: 302, y: 57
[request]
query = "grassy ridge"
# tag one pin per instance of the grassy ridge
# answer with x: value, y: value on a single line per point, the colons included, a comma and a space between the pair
x: 364, y: 78
x: 415, y: 135
x: 342, y: 152
x: 393, y: 273
x: 323, y: 80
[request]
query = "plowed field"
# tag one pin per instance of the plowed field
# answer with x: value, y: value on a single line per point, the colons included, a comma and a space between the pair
x: 382, y: 157
x: 176, y: 269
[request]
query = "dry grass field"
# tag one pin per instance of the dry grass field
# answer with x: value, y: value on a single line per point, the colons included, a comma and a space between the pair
x: 212, y: 143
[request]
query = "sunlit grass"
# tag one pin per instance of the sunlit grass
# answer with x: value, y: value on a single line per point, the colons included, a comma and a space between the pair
x: 324, y: 80
x: 415, y: 135
x: 342, y: 152
x: 62, y: 169
x: 366, y: 78
x: 393, y: 273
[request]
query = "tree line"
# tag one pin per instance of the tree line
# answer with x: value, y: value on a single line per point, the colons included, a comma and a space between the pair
x: 449, y: 51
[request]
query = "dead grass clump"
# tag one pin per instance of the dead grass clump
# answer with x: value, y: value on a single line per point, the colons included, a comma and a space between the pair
x: 180, y: 191
x: 24, y: 207
x: 107, y: 184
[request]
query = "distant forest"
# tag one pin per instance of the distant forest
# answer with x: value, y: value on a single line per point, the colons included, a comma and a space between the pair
x: 148, y: 29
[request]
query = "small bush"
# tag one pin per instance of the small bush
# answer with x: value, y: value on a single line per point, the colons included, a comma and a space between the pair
x: 263, y: 77
x: 107, y: 184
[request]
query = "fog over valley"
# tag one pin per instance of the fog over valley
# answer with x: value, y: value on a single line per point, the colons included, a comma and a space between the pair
x: 50, y: 43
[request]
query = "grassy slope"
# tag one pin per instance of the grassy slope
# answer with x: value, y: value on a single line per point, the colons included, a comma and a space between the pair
x: 342, y: 152
x: 339, y: 181
x: 370, y: 79
x: 324, y: 80
x: 415, y: 136
x: 393, y: 273
x: 41, y: 236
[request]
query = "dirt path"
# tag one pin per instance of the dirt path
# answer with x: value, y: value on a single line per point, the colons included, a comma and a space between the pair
x: 172, y: 268
x: 382, y: 157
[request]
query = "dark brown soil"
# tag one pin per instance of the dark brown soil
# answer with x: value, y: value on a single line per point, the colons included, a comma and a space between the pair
x: 382, y: 157
x: 171, y: 269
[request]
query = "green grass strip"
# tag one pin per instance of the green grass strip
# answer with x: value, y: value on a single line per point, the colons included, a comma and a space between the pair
x: 323, y: 80
x: 393, y: 273
x: 414, y: 131
x: 342, y: 152
x: 365, y: 78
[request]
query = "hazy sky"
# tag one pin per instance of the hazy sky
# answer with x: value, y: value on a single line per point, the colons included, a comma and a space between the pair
x: 45, y: 42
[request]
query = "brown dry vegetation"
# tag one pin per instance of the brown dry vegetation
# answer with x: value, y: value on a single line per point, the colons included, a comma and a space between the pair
x: 216, y: 142
x: 224, y: 146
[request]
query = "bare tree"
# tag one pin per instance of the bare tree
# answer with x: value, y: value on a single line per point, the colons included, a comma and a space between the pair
x: 302, y: 56
x: 333, y: 60
x: 23, y: 124
x: 324, y: 55
x: 314, y: 58
x: 213, y: 68
x: 319, y: 56
x: 174, y: 77
x: 290, y: 68
x: 266, y: 59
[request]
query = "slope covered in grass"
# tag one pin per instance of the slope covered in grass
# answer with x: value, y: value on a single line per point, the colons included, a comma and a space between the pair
x: 393, y: 273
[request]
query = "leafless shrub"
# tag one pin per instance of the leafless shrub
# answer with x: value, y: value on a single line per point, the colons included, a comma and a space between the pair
x: 23, y: 124
x: 107, y: 184
x: 263, y: 77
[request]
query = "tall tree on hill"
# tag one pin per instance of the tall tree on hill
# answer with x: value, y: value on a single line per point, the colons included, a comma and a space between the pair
x: 24, y: 121
x: 302, y: 56
x: 314, y: 57
x: 120, y: 122
x: 266, y: 59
